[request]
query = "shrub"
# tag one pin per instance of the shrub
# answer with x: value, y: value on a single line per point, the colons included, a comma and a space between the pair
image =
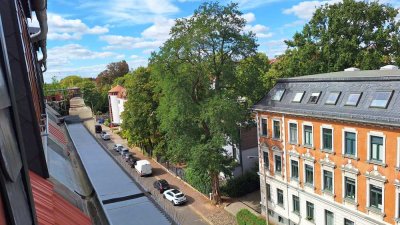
x: 241, y: 185
x: 200, y: 181
x: 245, y: 217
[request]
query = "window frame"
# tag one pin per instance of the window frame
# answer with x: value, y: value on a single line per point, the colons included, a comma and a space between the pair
x: 301, y: 98
x: 370, y: 191
x: 346, y: 103
x: 273, y: 129
x: 350, y: 130
x: 266, y: 152
x: 310, y: 205
x: 347, y: 178
x: 387, y: 101
x: 312, y: 95
x: 304, y: 135
x: 348, y: 222
x: 323, y: 181
x: 291, y: 169
x: 296, y: 204
x: 290, y: 133
x: 276, y: 172
x: 305, y: 174
x: 268, y: 192
x: 336, y: 100
x: 369, y: 158
x: 262, y: 134
x: 274, y: 97
x: 327, y: 127
x: 278, y: 193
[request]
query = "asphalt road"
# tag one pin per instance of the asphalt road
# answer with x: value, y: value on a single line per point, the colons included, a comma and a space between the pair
x: 183, y: 214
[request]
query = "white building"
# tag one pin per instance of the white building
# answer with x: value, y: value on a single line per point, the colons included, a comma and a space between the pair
x: 116, y: 101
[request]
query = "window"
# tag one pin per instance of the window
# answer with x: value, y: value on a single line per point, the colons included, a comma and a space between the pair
x: 328, y: 181
x: 381, y: 99
x: 263, y: 126
x: 353, y: 99
x: 349, y: 143
x: 295, y: 169
x: 375, y: 196
x: 277, y: 129
x: 327, y: 138
x: 278, y: 95
x: 280, y: 219
x: 279, y: 196
x: 293, y: 133
x: 310, y: 211
x: 376, y: 148
x: 278, y: 163
x: 314, y: 97
x: 308, y: 136
x: 309, y: 174
x: 266, y: 160
x: 349, y: 188
x: 296, y: 204
x: 329, y: 218
x: 298, y: 97
x: 348, y: 222
x: 268, y: 191
x: 332, y: 98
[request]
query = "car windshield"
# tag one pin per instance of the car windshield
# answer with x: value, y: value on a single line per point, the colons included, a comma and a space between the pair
x: 175, y: 191
x: 179, y: 195
x: 163, y: 182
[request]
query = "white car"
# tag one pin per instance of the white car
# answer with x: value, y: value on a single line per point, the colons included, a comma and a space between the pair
x: 105, y: 136
x: 176, y: 197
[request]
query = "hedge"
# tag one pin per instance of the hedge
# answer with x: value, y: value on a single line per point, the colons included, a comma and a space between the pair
x: 198, y: 180
x: 245, y: 217
x: 241, y: 185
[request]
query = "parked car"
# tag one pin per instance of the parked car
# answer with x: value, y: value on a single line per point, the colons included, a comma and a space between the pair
x: 175, y: 196
x: 132, y: 161
x: 117, y: 147
x: 161, y: 185
x: 143, y: 167
x: 105, y: 136
x: 127, y: 155
x: 124, y: 151
x: 98, y: 128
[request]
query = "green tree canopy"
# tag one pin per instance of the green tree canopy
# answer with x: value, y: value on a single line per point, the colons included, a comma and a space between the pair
x: 196, y: 71
x: 347, y: 34
x: 112, y: 72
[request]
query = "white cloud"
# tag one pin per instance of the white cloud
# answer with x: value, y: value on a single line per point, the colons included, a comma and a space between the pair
x: 252, y: 4
x: 61, y: 56
x: 249, y: 17
x: 84, y: 71
x: 124, y: 12
x: 159, y: 30
x: 261, y: 31
x: 305, y: 10
x: 61, y: 28
x: 134, y: 56
x: 148, y: 51
x: 274, y: 47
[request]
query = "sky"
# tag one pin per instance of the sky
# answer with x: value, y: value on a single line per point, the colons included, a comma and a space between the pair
x: 86, y: 35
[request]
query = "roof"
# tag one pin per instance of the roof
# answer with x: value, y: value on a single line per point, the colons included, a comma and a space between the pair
x: 51, y: 208
x: 365, y: 82
x: 121, y: 198
x: 117, y: 88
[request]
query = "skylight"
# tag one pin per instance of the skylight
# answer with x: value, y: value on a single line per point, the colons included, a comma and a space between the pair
x: 314, y: 97
x: 353, y: 99
x: 332, y: 98
x: 298, y: 97
x: 381, y: 99
x: 278, y: 95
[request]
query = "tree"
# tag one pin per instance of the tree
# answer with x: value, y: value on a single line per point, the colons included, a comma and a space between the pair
x: 139, y: 117
x: 347, y: 34
x: 196, y: 72
x: 71, y: 81
x: 113, y: 71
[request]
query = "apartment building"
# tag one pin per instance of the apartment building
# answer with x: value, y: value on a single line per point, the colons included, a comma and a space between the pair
x: 116, y: 101
x: 329, y: 147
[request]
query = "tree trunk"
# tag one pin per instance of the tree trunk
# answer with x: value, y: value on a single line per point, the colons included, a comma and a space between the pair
x: 216, y: 194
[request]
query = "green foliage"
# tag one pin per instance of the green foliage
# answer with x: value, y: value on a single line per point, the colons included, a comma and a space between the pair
x: 201, y: 84
x: 112, y: 72
x: 245, y: 217
x: 107, y: 123
x: 199, y: 180
x: 140, y: 117
x: 362, y: 34
x: 242, y: 185
x: 71, y: 81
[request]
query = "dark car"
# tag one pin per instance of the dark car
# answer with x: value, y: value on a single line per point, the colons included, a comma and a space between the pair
x: 161, y: 185
x: 98, y: 129
x: 132, y: 161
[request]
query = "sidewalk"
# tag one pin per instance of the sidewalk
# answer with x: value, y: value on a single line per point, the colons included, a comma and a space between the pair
x: 199, y: 203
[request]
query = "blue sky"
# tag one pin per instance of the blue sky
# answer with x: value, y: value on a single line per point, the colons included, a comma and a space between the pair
x: 85, y: 35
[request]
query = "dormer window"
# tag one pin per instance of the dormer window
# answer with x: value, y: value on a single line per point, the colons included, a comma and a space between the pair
x: 314, y: 97
x: 298, y: 97
x: 278, y: 95
x: 353, y: 99
x: 381, y: 99
x: 332, y: 98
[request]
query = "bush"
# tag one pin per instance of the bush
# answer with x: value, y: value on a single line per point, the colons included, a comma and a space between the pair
x: 200, y: 181
x: 245, y: 217
x: 241, y: 185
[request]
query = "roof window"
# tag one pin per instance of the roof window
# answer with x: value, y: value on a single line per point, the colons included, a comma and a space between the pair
x: 314, y: 97
x: 353, y: 99
x: 278, y: 95
x: 381, y: 99
x: 333, y: 98
x: 298, y: 97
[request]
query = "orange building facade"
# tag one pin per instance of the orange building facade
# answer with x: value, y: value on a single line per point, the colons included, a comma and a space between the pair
x: 325, y: 160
